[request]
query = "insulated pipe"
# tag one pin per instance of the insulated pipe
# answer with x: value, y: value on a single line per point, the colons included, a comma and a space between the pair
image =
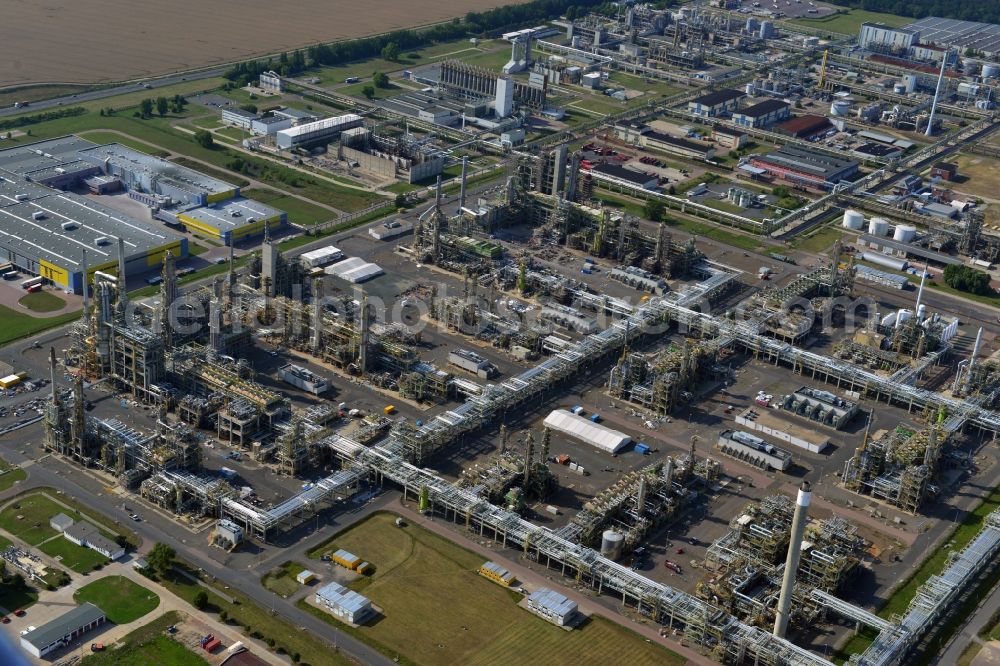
x: 792, y: 560
x: 465, y: 168
x: 937, y: 94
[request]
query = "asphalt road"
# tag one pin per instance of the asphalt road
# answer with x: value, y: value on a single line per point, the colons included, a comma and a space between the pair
x: 103, y: 93
x: 970, y: 627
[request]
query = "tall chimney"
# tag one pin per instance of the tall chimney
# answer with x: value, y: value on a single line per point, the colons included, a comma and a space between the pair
x: 437, y: 193
x: 52, y: 373
x: 122, y: 288
x: 792, y: 560
x: 465, y: 169
x: 937, y: 94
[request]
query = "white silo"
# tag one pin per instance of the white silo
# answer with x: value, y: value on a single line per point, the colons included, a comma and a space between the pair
x: 990, y: 71
x: 840, y: 107
x: 910, y: 82
x: 878, y: 226
x: 904, y: 233
x: 749, y: 90
x: 611, y: 544
x: 853, y: 220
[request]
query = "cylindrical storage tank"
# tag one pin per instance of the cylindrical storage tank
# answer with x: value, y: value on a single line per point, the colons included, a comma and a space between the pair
x: 899, y: 89
x: 576, y: 42
x: 841, y: 107
x: 749, y: 90
x: 910, y: 82
x: 878, y: 226
x: 970, y: 67
x: 991, y: 71
x: 611, y: 544
x: 921, y: 312
x: 902, y: 315
x: 853, y: 220
x: 885, y: 260
x: 904, y: 233
x: 985, y: 104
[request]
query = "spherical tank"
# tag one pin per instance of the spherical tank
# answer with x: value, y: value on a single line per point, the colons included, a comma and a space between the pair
x: 853, y: 220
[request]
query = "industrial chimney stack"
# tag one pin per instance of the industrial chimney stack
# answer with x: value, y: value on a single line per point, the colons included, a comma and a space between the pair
x: 792, y: 560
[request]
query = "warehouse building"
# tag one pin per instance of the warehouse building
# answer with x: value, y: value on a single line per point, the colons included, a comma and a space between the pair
x: 881, y: 38
x: 55, y: 234
x: 145, y: 173
x: 268, y: 125
x: 804, y: 126
x: 552, y: 606
x: 61, y: 631
x: 317, y: 132
x: 587, y: 431
x: 343, y: 603
x: 354, y: 270
x: 730, y: 138
x: 232, y: 220
x: 471, y: 362
x: 762, y: 114
x: 804, y: 167
x: 321, y: 256
x: 718, y: 103
x: 676, y: 146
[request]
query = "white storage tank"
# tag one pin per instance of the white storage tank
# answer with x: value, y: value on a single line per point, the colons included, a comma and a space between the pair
x: 611, y: 544
x: 878, y: 226
x: 910, y: 82
x: 990, y: 71
x: 749, y: 90
x: 904, y: 233
x: 840, y: 107
x: 899, y: 88
x: 985, y: 104
x: 853, y: 220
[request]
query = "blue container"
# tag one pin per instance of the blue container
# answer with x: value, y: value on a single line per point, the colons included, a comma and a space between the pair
x: 642, y: 448
x: 596, y: 418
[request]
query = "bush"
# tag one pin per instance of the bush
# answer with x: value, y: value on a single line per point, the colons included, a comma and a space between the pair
x: 201, y: 600
x: 968, y: 279
x: 270, y: 642
x: 204, y: 138
x: 223, y: 616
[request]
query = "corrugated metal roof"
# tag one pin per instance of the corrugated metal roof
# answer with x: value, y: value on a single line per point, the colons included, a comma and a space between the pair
x: 62, y: 626
x: 587, y: 431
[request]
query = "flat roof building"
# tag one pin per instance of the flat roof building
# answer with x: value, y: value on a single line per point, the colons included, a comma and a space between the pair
x: 267, y: 125
x: 806, y: 167
x: 58, y: 633
x: 613, y: 172
x: 139, y: 171
x: 804, y: 126
x: 954, y: 33
x: 53, y: 234
x: 238, y: 117
x: 552, y: 606
x: 343, y: 603
x: 233, y: 219
x: 317, y: 132
x: 676, y: 146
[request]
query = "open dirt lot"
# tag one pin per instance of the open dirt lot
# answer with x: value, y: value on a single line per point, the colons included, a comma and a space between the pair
x: 71, y: 42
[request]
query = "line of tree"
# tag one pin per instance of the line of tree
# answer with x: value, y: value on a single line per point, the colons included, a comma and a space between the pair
x: 23, y: 121
x: 986, y: 12
x: 391, y: 45
x: 967, y: 278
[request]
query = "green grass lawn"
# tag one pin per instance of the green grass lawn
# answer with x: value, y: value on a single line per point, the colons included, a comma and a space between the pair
x: 479, y: 623
x: 459, y: 49
x: 234, y: 133
x: 299, y: 211
x: 849, y: 23
x: 42, y: 301
x: 37, y: 93
x: 27, y: 517
x: 8, y: 477
x: 818, y: 240
x: 21, y: 324
x: 77, y: 558
x: 121, y: 599
x: 354, y: 90
x: 282, y: 581
x: 303, y: 239
x: 207, y: 122
x: 149, y: 644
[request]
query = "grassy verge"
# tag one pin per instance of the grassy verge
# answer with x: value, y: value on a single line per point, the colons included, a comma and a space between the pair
x: 9, y: 476
x: 19, y: 325
x: 148, y: 645
x: 42, y: 301
x: 282, y: 579
x: 15, y: 594
x: 299, y: 241
x: 27, y: 516
x: 849, y: 22
x: 79, y: 559
x: 818, y: 240
x: 299, y: 211
x: 257, y: 621
x: 121, y: 599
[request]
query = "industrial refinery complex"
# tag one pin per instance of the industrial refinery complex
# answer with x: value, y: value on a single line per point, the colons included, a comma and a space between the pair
x: 666, y: 332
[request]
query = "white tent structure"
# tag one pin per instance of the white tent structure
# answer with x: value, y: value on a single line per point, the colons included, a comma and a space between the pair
x: 354, y: 269
x: 586, y: 431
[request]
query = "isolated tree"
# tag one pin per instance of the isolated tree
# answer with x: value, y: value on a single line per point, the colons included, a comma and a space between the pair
x: 146, y: 108
x: 201, y: 600
x: 400, y: 200
x: 368, y: 92
x: 161, y: 558
x: 204, y: 138
x: 380, y: 79
x: 390, y: 52
x: 162, y: 106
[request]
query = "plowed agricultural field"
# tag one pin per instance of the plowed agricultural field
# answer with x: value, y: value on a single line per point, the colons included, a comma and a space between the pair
x: 85, y: 41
